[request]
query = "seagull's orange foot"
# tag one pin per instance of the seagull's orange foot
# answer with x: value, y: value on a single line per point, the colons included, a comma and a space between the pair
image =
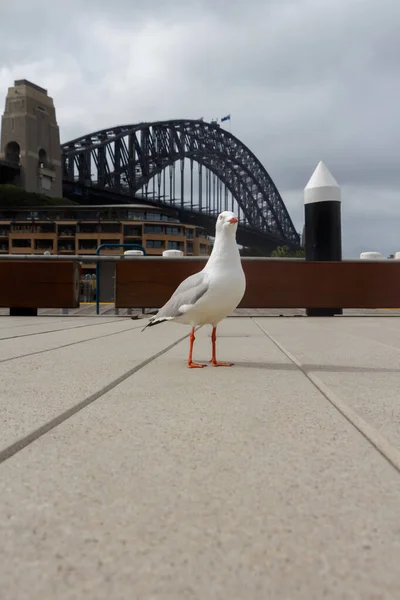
x: 193, y: 365
x: 216, y: 363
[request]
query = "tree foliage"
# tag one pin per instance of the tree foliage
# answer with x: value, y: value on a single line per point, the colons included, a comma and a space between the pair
x: 245, y: 251
x: 15, y: 197
x: 286, y: 252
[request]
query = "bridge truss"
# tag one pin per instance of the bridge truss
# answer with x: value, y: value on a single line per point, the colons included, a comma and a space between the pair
x: 215, y: 172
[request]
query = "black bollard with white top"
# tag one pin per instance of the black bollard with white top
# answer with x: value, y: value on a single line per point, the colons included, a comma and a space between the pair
x: 323, y: 224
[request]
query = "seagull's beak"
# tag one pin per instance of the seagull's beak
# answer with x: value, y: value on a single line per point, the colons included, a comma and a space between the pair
x: 233, y: 220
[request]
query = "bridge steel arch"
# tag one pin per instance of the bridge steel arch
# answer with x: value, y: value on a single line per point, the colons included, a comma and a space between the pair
x: 122, y: 160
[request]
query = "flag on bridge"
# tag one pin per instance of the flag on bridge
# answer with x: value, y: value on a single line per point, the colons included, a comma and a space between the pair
x: 227, y: 118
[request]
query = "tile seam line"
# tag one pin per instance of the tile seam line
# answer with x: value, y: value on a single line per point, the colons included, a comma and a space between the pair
x: 363, y: 337
x: 380, y: 443
x: 13, y: 337
x: 32, y: 323
x: 35, y: 435
x: 325, y: 327
x: 38, y: 352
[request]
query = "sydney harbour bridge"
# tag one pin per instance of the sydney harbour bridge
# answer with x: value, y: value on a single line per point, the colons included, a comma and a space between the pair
x: 195, y: 167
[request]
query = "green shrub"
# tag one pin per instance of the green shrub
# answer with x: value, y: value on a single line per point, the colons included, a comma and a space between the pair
x: 15, y: 197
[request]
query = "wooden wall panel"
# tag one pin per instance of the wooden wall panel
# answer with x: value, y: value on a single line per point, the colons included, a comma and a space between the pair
x: 270, y: 283
x: 36, y: 284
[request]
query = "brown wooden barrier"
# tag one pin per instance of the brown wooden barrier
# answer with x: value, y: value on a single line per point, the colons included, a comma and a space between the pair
x: 270, y: 283
x: 27, y: 285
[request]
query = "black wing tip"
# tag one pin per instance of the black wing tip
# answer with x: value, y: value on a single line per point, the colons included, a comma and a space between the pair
x: 152, y: 323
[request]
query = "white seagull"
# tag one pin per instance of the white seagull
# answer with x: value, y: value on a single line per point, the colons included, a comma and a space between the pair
x: 209, y: 296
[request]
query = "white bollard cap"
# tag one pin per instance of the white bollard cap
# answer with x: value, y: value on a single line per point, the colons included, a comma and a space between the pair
x: 133, y: 253
x: 171, y: 253
x: 371, y: 255
x: 322, y: 186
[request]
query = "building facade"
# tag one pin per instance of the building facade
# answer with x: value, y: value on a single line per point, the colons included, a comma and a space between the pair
x: 80, y: 230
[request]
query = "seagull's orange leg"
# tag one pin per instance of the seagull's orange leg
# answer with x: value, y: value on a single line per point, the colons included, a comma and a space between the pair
x: 214, y: 361
x: 191, y: 364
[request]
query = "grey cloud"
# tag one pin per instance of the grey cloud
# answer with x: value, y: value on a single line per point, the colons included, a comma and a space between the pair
x: 304, y: 80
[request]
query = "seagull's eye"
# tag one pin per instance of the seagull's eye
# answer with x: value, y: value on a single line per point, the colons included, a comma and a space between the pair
x: 221, y: 217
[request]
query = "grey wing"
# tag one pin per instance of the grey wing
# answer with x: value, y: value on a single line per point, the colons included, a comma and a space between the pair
x: 188, y: 292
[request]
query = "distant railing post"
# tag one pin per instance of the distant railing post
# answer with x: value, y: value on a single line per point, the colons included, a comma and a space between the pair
x: 323, y: 227
x: 172, y: 253
x: 371, y: 256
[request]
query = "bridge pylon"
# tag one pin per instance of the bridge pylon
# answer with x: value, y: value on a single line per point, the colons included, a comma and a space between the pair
x: 30, y: 137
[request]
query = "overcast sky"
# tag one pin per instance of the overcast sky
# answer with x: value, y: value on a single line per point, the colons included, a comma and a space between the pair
x: 304, y: 80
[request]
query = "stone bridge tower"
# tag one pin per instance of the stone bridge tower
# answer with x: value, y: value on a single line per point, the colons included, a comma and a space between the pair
x: 30, y: 137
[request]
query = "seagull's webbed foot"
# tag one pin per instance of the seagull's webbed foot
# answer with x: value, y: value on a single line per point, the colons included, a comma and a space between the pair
x: 217, y: 363
x: 193, y: 365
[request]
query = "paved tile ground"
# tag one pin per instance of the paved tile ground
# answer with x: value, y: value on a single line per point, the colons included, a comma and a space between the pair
x: 125, y: 475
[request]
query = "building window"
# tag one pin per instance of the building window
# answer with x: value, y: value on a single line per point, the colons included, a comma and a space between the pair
x: 155, y: 244
x: 110, y: 228
x: 203, y: 249
x: 18, y: 228
x: 91, y: 215
x: 46, y: 228
x: 21, y: 243
x: 140, y: 216
x: 174, y: 230
x: 151, y: 216
x: 132, y: 231
x: 43, y: 245
x: 87, y: 244
x: 57, y: 215
x: 189, y: 247
x: 133, y: 240
x: 66, y: 231
x: 66, y: 246
x: 110, y: 242
x: 157, y: 229
x: 172, y: 245
x: 87, y: 228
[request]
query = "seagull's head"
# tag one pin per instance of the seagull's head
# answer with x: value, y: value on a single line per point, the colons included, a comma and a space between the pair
x: 227, y: 221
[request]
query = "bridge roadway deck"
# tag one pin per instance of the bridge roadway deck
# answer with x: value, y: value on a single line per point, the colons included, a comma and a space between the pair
x: 125, y: 475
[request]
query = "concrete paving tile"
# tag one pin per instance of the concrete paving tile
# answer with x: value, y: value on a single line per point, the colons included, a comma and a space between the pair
x: 20, y: 327
x: 239, y: 482
x: 383, y: 331
x: 354, y: 362
x: 22, y: 346
x: 38, y: 388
